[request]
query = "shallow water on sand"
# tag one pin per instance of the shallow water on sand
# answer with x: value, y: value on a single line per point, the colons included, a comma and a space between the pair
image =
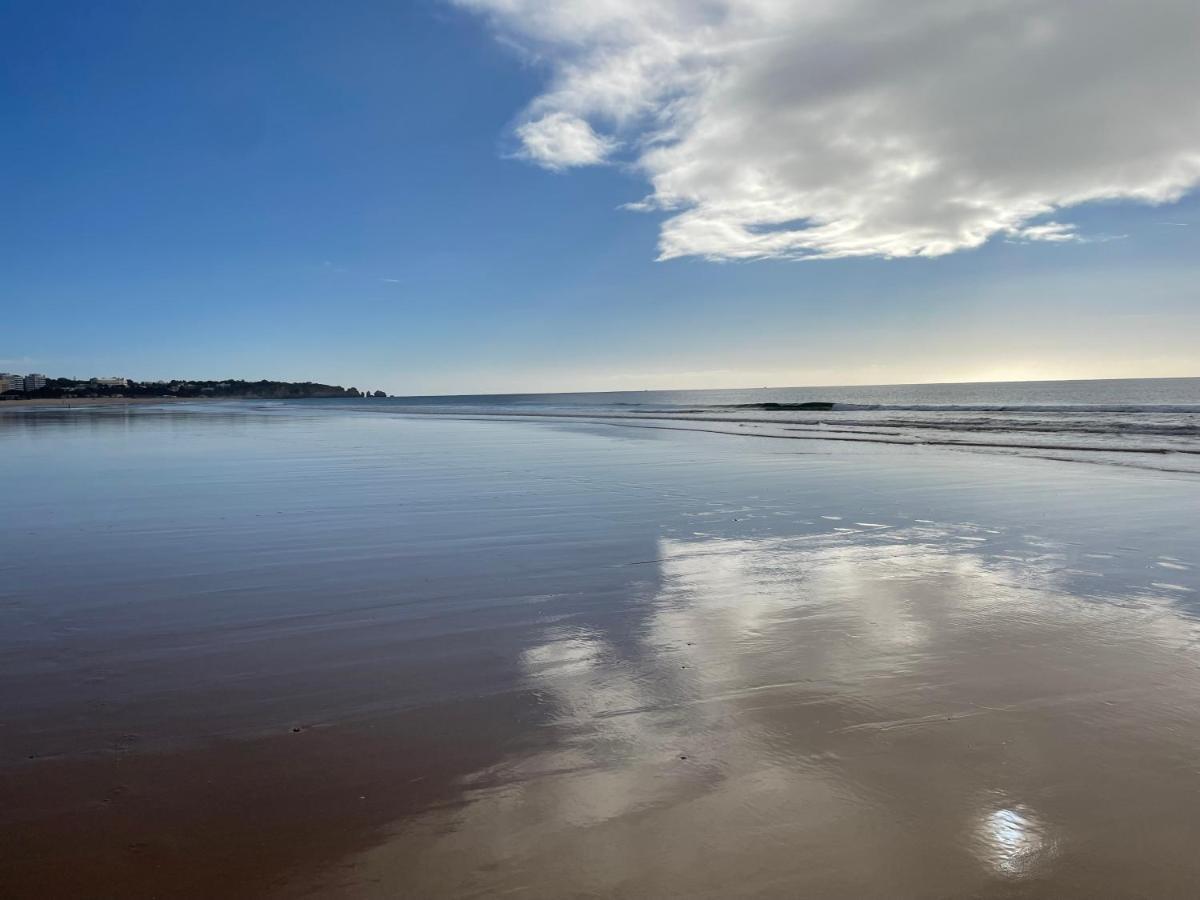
x: 1151, y: 423
x: 287, y: 651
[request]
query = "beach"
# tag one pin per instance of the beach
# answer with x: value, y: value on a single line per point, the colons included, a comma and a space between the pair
x: 81, y: 402
x: 317, y: 650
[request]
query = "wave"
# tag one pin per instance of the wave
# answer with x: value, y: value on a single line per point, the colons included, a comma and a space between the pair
x: 809, y: 405
x: 1165, y: 438
x: 1042, y: 426
x: 840, y: 407
x: 923, y: 430
x: 959, y: 407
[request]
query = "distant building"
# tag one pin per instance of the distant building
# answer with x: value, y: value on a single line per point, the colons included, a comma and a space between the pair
x: 11, y: 382
x: 111, y: 382
x: 34, y: 380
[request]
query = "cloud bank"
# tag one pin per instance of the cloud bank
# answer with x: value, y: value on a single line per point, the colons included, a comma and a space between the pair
x: 843, y: 128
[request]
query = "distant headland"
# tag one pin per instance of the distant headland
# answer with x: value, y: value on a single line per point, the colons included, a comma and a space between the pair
x: 39, y: 387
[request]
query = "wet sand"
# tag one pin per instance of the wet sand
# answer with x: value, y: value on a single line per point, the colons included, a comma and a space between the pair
x: 81, y: 402
x: 299, y: 652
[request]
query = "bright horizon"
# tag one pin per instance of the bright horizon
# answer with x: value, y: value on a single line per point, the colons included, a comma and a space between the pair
x: 744, y: 387
x: 661, y: 381
x: 804, y: 387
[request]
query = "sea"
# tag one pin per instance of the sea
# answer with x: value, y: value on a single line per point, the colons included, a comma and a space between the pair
x: 1143, y: 422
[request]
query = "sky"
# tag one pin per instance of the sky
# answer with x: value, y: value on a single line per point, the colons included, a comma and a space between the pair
x: 469, y: 196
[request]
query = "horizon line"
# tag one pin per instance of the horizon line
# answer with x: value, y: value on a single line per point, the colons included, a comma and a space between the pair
x: 783, y: 387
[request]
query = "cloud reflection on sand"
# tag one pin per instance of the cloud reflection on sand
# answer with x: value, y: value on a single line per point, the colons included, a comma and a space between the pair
x: 857, y: 716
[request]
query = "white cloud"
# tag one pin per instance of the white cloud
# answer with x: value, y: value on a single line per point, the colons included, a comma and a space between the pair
x: 559, y: 140
x: 1047, y: 231
x: 833, y: 128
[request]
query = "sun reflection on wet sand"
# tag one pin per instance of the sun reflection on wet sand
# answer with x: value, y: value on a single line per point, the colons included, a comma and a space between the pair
x: 1013, y: 841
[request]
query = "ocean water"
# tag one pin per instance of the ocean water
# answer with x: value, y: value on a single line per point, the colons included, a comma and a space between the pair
x: 1147, y: 423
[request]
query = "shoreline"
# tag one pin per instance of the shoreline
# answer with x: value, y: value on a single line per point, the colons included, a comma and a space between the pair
x: 1102, y: 452
x: 81, y: 403
x: 72, y: 403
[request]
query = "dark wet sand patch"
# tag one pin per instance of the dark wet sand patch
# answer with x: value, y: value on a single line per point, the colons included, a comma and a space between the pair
x: 241, y: 818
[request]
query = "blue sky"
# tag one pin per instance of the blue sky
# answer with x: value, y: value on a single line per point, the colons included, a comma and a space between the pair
x: 345, y: 194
